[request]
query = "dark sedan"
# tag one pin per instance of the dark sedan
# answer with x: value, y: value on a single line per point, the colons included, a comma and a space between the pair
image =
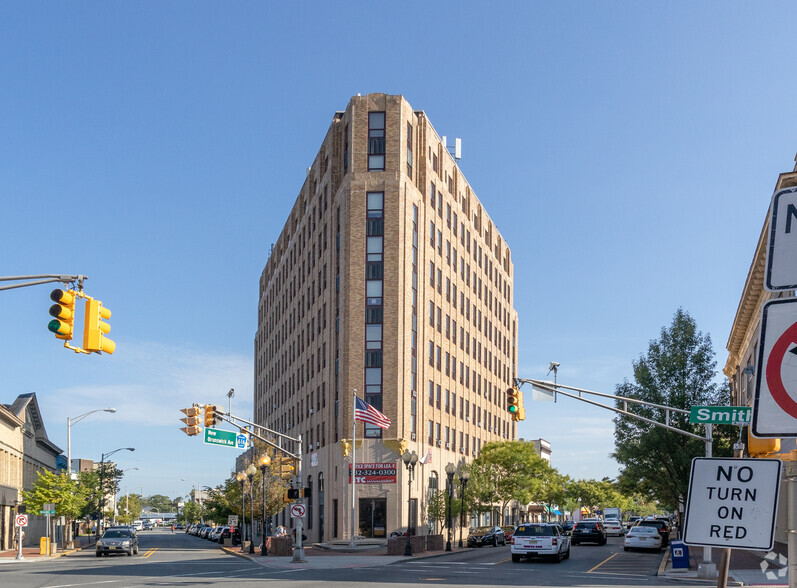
x: 486, y: 536
x: 588, y: 532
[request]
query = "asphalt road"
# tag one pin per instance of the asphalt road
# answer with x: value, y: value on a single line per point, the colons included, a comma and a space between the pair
x: 183, y: 560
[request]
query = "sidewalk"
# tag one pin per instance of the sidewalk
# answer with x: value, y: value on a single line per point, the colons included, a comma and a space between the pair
x: 747, y: 568
x: 337, y: 555
x: 30, y: 553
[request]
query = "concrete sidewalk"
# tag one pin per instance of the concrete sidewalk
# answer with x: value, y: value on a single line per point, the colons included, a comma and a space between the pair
x: 34, y: 553
x: 747, y: 568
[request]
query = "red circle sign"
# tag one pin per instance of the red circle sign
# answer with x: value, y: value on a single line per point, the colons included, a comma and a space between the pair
x: 22, y: 520
x: 297, y: 510
x: 774, y: 377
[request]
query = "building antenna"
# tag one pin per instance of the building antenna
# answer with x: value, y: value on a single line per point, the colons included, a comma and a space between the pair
x: 456, y: 150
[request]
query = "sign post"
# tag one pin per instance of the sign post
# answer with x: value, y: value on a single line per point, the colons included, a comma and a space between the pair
x: 21, y: 520
x: 732, y: 503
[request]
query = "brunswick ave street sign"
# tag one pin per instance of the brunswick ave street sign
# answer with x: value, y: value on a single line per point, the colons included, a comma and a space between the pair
x: 732, y: 503
x: 724, y: 415
x: 219, y: 437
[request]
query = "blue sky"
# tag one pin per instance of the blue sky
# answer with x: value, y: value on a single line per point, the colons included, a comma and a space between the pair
x: 627, y: 152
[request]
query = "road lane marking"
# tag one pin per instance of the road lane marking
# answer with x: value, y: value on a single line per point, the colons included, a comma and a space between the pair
x: 150, y: 552
x: 603, y: 562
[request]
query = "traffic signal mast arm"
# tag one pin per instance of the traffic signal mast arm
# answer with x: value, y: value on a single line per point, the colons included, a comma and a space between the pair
x: 555, y: 389
x: 42, y: 279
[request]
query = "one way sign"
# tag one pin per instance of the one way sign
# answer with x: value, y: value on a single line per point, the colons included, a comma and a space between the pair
x: 781, y: 271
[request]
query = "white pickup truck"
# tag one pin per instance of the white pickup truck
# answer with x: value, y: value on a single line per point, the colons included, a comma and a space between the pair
x: 540, y: 540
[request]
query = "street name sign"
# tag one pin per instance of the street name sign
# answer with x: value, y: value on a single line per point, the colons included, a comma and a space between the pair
x: 723, y: 415
x: 219, y: 437
x: 732, y: 503
x: 297, y: 511
x: 47, y: 512
x: 781, y: 268
x: 775, y: 406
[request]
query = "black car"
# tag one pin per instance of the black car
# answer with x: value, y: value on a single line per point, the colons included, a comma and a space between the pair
x: 661, y: 525
x: 118, y: 540
x: 225, y: 534
x: 588, y: 532
x: 486, y: 536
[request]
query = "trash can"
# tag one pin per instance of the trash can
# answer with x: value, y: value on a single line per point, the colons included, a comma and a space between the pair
x: 44, y: 546
x: 679, y: 552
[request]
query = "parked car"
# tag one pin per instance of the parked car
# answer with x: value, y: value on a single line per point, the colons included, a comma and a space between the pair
x: 147, y: 526
x: 509, y: 532
x: 642, y: 537
x: 632, y: 521
x: 117, y: 540
x: 660, y: 525
x: 225, y: 534
x: 567, y: 526
x: 613, y: 527
x: 540, y: 540
x: 590, y: 532
x: 486, y: 536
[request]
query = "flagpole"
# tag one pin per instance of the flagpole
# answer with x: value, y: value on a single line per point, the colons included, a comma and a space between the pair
x: 353, y: 461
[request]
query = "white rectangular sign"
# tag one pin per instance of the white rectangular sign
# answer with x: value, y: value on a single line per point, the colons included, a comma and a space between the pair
x: 775, y: 406
x: 781, y: 272
x: 732, y: 502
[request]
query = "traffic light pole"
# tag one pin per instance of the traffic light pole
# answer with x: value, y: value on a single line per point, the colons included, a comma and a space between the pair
x: 42, y: 279
x: 298, y: 552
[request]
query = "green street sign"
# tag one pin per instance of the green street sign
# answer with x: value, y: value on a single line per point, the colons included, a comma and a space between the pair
x: 219, y: 437
x: 722, y: 415
x: 50, y: 512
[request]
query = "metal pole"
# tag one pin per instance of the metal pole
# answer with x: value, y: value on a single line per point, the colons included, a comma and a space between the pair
x: 251, y: 518
x: 102, y: 494
x: 353, y: 464
x: 408, y: 548
x: 264, y: 544
x: 450, y: 479
x: 707, y: 568
x: 792, y: 524
x: 243, y: 514
x: 19, y: 543
x: 298, y: 552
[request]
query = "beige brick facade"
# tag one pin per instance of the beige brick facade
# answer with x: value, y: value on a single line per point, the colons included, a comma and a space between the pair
x: 336, y: 314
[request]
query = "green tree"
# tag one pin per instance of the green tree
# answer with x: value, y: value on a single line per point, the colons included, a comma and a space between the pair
x: 160, y: 503
x: 58, y: 489
x: 679, y: 371
x: 130, y: 508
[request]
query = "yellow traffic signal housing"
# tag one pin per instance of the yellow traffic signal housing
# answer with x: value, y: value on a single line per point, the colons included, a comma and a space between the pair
x: 345, y: 447
x: 760, y: 447
x: 521, y: 411
x: 94, y: 329
x: 285, y: 498
x: 513, y: 402
x: 211, y: 418
x: 287, y: 468
x: 192, y: 420
x: 63, y: 312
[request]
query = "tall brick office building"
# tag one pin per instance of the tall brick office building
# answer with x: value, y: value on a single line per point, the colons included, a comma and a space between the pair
x: 389, y: 279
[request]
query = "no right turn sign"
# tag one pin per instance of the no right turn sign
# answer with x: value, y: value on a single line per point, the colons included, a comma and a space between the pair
x: 21, y: 520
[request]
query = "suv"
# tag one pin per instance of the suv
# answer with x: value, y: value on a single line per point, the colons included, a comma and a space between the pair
x: 117, y: 540
x: 540, y: 539
x: 590, y: 531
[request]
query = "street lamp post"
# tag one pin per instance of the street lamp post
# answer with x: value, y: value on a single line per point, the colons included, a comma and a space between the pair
x: 241, y: 477
x: 409, y: 459
x: 127, y: 504
x: 101, y: 514
x: 463, y: 481
x: 69, y: 422
x: 265, y: 460
x: 250, y: 473
x: 450, y: 469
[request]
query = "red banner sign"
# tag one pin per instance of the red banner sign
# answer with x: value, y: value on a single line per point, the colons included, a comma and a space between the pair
x: 375, y: 473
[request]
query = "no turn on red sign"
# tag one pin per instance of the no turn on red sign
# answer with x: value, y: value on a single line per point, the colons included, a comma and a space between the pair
x: 775, y: 407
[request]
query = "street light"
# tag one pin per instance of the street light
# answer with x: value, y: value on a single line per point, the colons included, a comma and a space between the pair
x: 250, y: 473
x: 463, y: 481
x: 241, y: 477
x: 101, y: 514
x: 127, y: 504
x: 265, y: 461
x: 450, y: 469
x: 69, y: 422
x: 409, y: 459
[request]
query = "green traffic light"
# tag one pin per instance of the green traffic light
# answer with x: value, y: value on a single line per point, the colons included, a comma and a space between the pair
x: 58, y: 327
x: 513, y: 409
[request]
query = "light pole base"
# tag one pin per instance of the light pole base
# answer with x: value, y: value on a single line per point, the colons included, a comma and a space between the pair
x: 707, y: 569
x: 298, y: 555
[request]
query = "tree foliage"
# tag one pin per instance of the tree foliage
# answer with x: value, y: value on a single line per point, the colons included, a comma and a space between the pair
x: 678, y: 371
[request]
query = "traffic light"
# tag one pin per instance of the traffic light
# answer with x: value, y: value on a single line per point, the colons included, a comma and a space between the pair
x: 307, y: 492
x: 287, y: 467
x: 345, y: 447
x: 211, y: 418
x: 286, y: 498
x: 513, y: 402
x: 294, y: 494
x: 94, y: 329
x: 63, y: 312
x: 192, y: 420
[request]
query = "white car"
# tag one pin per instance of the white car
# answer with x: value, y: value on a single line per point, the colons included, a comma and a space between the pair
x: 640, y: 537
x: 540, y: 540
x: 138, y: 525
x: 613, y: 527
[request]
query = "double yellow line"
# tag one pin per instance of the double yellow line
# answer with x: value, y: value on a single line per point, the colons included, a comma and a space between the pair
x: 150, y: 552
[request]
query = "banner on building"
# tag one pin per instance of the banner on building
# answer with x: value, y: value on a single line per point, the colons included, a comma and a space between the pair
x: 375, y: 473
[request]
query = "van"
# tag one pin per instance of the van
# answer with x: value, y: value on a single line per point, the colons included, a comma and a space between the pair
x: 138, y: 525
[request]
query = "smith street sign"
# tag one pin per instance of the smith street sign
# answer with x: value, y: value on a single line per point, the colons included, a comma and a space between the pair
x: 723, y: 415
x: 219, y: 437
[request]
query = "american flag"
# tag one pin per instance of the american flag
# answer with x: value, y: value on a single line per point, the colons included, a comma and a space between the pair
x: 368, y: 414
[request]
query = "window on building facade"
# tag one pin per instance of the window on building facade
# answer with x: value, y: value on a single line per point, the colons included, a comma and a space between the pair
x: 376, y: 141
